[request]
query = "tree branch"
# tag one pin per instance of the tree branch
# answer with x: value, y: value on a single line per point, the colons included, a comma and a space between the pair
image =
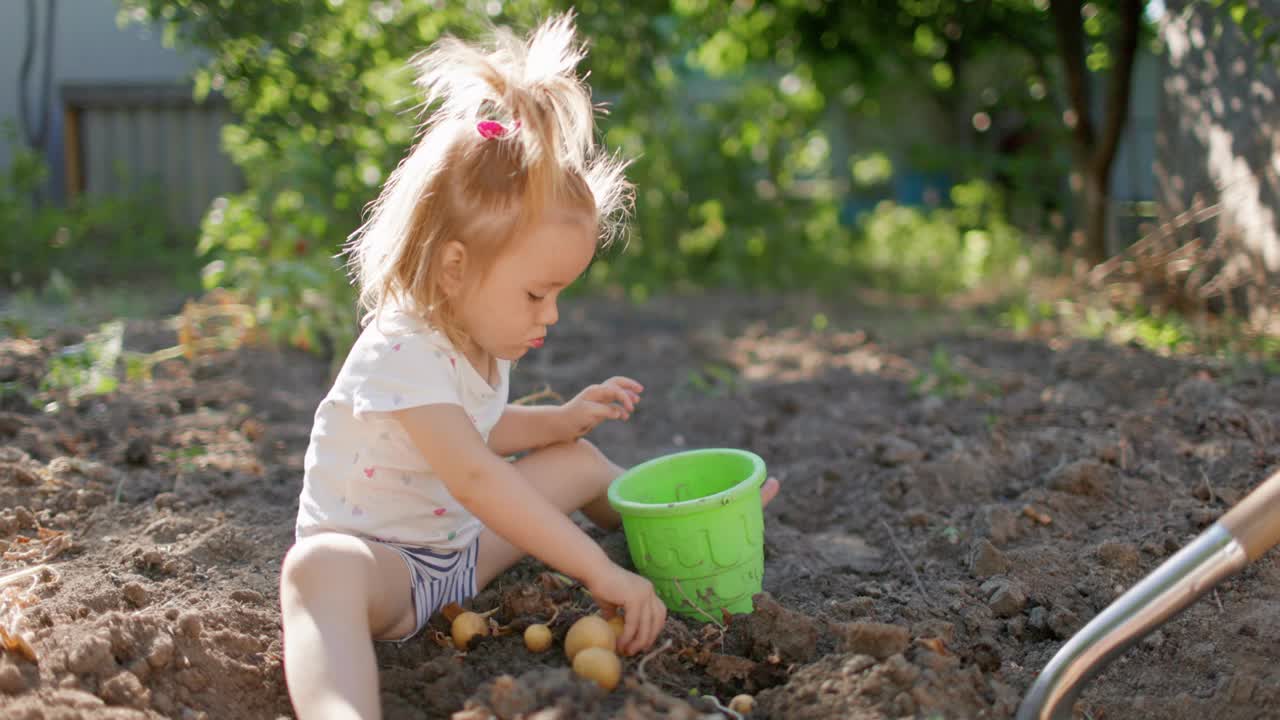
x: 1124, y: 49
x: 1069, y: 29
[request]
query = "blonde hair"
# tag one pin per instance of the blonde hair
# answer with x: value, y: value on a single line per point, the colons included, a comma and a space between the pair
x: 456, y: 184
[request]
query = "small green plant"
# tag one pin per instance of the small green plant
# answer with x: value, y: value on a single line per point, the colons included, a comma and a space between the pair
x: 185, y: 457
x: 951, y: 534
x: 88, y: 367
x: 1161, y: 332
x: 941, y: 378
x: 1164, y: 333
x: 713, y: 380
x: 96, y: 365
x: 1023, y: 315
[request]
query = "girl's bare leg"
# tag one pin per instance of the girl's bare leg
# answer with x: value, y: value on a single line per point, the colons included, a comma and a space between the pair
x: 572, y: 476
x: 338, y: 593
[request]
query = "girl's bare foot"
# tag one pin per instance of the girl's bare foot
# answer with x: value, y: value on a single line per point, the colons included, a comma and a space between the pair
x: 769, y: 490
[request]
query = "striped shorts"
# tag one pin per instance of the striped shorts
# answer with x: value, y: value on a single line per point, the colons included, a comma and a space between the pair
x: 437, y: 578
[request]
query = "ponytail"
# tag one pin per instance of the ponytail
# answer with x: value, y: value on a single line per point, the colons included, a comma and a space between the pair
x: 467, y: 181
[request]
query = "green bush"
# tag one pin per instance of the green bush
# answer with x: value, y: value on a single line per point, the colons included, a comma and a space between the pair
x: 94, y: 240
x: 943, y: 250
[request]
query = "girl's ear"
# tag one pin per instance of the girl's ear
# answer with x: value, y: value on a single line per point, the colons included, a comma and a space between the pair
x: 453, y: 267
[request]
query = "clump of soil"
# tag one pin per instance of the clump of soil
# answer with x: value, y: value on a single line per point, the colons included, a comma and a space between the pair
x: 943, y: 527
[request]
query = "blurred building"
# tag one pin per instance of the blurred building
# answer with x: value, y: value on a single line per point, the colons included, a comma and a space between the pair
x: 110, y: 106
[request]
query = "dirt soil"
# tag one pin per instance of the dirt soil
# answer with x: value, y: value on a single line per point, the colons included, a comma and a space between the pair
x: 955, y: 504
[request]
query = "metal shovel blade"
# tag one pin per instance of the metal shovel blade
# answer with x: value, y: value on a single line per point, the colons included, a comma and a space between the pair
x: 1242, y: 535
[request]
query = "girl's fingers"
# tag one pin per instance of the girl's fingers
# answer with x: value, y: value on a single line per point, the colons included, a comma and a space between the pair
x: 625, y: 401
x: 659, y: 620
x: 630, y: 624
x: 642, y: 632
x: 611, y: 391
x: 611, y: 408
x: 616, y: 394
x: 627, y: 383
x: 603, y: 411
x: 655, y: 624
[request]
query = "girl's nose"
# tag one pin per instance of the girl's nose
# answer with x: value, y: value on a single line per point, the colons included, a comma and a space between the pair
x: 550, y: 313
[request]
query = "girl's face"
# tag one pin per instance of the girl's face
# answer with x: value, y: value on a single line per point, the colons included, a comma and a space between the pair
x: 507, y: 311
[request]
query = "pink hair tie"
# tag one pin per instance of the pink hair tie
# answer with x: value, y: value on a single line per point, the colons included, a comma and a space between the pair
x: 490, y: 129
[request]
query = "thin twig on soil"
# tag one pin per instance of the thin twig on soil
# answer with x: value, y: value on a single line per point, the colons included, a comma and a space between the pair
x: 910, y: 566
x: 1213, y: 497
x: 1217, y: 600
x: 545, y: 393
x: 568, y: 582
x: 1271, y: 429
x: 727, y: 711
x: 705, y: 614
x: 1255, y: 429
x: 644, y: 660
x: 14, y: 577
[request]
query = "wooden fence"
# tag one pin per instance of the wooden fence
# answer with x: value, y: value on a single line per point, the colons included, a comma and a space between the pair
x: 123, y: 138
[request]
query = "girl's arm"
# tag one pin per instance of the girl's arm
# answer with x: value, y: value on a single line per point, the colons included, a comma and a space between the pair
x: 528, y: 427
x: 493, y: 490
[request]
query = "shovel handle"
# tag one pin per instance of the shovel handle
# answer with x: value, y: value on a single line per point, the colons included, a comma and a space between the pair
x: 1255, y: 520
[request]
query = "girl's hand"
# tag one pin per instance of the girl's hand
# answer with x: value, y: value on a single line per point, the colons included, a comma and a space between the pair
x: 645, y: 615
x: 613, y: 399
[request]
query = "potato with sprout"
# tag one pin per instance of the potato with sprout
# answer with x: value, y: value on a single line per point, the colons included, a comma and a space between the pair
x: 466, y: 627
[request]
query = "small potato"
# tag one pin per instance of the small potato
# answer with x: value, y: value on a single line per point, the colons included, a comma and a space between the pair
x: 466, y: 626
x: 590, y: 631
x: 537, y: 638
x: 599, y: 665
x: 742, y: 704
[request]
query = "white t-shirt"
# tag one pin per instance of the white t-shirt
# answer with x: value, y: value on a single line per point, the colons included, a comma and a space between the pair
x: 363, y: 475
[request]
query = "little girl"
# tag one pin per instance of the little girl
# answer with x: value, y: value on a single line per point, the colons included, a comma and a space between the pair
x: 407, y: 501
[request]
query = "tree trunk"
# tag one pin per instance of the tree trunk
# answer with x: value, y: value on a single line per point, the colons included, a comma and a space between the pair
x: 1094, y: 151
x: 1096, y: 197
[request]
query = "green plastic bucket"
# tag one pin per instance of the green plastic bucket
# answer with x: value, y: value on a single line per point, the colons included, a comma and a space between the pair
x: 695, y: 528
